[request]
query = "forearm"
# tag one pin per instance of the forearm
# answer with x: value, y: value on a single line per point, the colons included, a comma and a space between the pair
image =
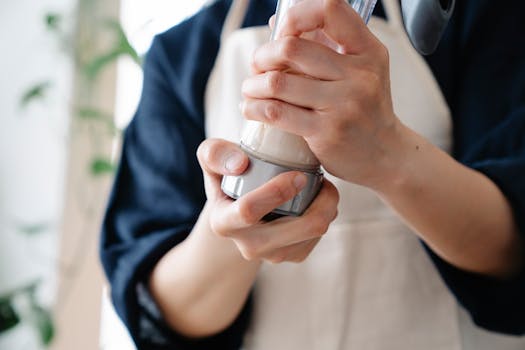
x: 202, y: 284
x: 460, y: 213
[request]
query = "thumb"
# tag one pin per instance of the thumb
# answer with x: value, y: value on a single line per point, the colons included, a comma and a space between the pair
x: 219, y: 157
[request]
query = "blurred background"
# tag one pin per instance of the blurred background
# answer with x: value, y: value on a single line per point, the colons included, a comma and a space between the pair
x: 70, y: 82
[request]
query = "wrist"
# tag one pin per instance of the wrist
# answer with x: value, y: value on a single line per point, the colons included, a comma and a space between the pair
x: 396, y: 169
x: 180, y: 282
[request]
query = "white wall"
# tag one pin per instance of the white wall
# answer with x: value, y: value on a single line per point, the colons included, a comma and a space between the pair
x: 142, y: 20
x: 32, y: 147
x: 34, y: 141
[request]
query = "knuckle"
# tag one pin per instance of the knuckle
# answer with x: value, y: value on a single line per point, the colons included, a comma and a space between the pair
x: 202, y: 150
x: 246, y: 213
x: 323, y: 228
x: 290, y: 49
x: 329, y: 216
x: 336, y: 196
x: 248, y: 252
x: 218, y: 228
x: 335, y: 215
x: 335, y: 206
x: 276, y: 82
x: 208, y: 151
x: 281, y: 193
x: 274, y: 110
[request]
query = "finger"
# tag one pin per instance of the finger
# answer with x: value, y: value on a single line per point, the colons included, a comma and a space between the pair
x: 335, y: 17
x: 294, y: 253
x: 287, y: 117
x: 295, y: 89
x: 219, y: 157
x: 271, y: 22
x: 287, y: 231
x: 249, y: 209
x: 301, y: 56
x: 325, y: 204
x: 313, y: 223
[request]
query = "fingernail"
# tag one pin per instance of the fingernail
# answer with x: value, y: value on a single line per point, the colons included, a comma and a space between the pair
x: 241, y: 106
x: 234, y: 161
x: 299, y: 181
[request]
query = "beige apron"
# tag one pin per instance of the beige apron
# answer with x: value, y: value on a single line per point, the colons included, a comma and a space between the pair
x: 369, y: 284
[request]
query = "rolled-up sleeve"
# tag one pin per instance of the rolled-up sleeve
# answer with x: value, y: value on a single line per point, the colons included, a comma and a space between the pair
x: 481, y: 68
x: 497, y: 305
x: 158, y: 192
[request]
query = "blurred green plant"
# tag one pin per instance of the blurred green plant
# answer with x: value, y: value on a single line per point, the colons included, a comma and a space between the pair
x: 93, y: 114
x: 121, y: 47
x: 53, y: 21
x: 35, y: 92
x: 102, y: 166
x: 21, y: 306
x: 34, y: 229
x: 8, y: 316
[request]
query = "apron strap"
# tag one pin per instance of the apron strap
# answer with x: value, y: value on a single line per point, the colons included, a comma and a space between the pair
x: 393, y: 13
x: 235, y: 18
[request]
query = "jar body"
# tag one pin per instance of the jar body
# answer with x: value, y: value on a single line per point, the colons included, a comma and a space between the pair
x: 273, y: 151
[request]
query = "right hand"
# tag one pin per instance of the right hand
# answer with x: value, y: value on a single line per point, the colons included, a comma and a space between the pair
x: 285, y: 239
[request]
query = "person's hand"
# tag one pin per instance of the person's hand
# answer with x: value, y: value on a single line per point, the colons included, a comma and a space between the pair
x: 340, y: 102
x: 284, y: 239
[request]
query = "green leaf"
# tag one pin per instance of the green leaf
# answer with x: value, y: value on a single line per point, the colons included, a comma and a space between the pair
x: 92, y: 113
x: 35, y: 92
x: 88, y: 113
x: 93, y: 69
x: 101, y: 166
x: 8, y: 316
x: 122, y: 47
x: 123, y: 44
x: 34, y: 229
x: 43, y: 322
x: 52, y: 21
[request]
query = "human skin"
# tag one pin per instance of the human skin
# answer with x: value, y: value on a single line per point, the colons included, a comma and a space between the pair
x: 340, y: 102
x: 229, y: 242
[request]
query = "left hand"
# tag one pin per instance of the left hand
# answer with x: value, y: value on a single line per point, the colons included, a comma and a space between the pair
x: 340, y: 102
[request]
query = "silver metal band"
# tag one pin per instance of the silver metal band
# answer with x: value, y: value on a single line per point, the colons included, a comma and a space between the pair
x: 259, y: 172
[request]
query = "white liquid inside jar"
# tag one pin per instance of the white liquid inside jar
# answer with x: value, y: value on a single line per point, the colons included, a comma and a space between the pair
x: 277, y: 146
x: 271, y: 144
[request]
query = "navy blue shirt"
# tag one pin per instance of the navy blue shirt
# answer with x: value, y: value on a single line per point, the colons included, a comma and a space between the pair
x: 158, y: 192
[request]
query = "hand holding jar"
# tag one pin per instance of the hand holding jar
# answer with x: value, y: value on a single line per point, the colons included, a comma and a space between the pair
x: 338, y: 100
